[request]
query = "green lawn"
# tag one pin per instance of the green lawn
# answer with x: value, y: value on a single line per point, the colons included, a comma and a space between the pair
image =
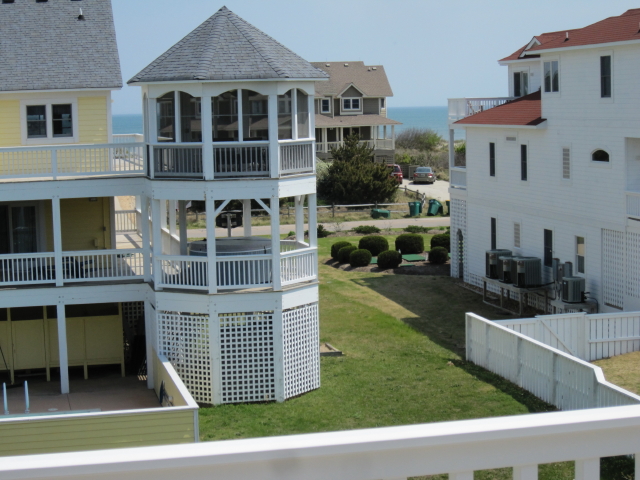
x: 403, y: 339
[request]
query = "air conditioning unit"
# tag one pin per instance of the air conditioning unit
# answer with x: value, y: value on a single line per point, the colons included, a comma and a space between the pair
x: 529, y: 272
x: 573, y: 289
x: 509, y: 269
x: 493, y: 264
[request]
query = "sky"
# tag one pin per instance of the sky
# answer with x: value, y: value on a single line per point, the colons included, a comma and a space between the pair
x: 431, y: 50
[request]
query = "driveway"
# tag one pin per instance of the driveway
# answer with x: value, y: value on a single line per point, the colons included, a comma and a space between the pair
x: 439, y: 190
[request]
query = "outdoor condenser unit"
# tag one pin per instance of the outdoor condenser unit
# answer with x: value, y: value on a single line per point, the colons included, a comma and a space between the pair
x: 529, y: 272
x: 573, y: 289
x: 509, y: 269
x: 493, y: 263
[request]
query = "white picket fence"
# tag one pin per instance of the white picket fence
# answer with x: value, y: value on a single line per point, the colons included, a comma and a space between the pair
x: 550, y: 374
x: 589, y: 337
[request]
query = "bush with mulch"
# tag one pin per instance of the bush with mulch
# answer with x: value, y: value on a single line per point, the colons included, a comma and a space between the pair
x: 360, y: 258
x: 438, y: 255
x: 345, y: 252
x: 374, y: 243
x: 409, y: 243
x: 389, y: 259
x: 335, y: 248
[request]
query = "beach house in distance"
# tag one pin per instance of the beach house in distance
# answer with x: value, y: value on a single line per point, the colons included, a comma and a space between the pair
x: 354, y: 101
x: 89, y: 289
x: 553, y: 169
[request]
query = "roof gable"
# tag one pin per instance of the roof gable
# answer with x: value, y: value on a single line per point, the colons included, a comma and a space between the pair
x: 371, y: 80
x: 226, y: 47
x: 45, y: 46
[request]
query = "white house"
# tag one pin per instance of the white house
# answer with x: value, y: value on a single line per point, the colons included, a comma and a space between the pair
x: 553, y: 169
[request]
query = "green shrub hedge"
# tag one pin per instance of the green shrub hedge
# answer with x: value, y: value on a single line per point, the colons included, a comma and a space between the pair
x: 374, y: 243
x: 410, y: 243
x: 366, y: 229
x: 416, y: 229
x: 438, y: 255
x: 344, y: 252
x: 360, y: 258
x: 335, y: 248
x: 441, y: 240
x: 389, y: 259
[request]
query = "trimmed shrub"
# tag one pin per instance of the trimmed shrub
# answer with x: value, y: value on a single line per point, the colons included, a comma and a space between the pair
x: 416, y: 229
x: 335, y: 248
x: 360, y: 258
x: 438, y: 255
x: 344, y: 252
x: 323, y: 232
x: 389, y: 259
x: 374, y: 243
x: 441, y: 240
x: 366, y: 229
x: 410, y: 243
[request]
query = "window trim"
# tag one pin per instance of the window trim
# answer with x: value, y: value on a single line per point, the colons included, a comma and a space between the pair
x: 350, y: 100
x: 328, y: 100
x: 600, y: 162
x: 48, y: 104
x: 604, y: 94
x: 550, y: 61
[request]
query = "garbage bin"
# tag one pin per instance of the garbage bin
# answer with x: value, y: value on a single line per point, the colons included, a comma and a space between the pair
x: 419, y: 207
x: 380, y: 213
x: 414, y: 209
x: 435, y: 207
x: 448, y: 208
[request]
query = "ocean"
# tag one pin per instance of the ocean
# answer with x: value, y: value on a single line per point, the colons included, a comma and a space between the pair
x: 434, y: 118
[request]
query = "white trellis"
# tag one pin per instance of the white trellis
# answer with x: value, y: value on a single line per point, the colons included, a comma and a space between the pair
x: 300, y: 327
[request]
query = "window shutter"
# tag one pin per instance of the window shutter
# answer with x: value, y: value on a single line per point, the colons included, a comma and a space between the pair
x: 566, y: 163
x: 516, y: 235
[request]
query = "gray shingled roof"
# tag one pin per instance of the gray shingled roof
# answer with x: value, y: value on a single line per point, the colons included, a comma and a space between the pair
x: 44, y: 46
x: 226, y: 47
x: 369, y: 79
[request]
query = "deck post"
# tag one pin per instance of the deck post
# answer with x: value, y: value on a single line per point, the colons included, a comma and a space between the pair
x: 210, y: 206
x: 299, y: 202
x: 57, y: 240
x: 275, y: 242
x: 274, y: 146
x: 150, y: 337
x: 182, y: 219
x: 146, y: 236
x: 246, y: 217
x: 527, y: 472
x: 157, y: 242
x: 588, y: 469
x: 62, y: 348
x: 208, y: 167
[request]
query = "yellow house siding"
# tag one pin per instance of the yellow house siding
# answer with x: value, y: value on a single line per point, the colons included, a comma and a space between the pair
x: 93, y: 432
x: 86, y: 225
x: 92, y: 120
x: 10, y: 123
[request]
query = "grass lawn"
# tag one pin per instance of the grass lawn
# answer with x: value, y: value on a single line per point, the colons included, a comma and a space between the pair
x: 622, y: 370
x: 403, y: 339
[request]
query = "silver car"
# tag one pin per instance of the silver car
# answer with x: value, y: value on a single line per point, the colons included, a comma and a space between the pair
x: 424, y: 174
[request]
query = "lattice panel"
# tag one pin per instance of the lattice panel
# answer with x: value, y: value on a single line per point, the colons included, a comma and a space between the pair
x: 133, y: 316
x: 300, y: 327
x: 247, y: 364
x: 633, y: 264
x: 184, y: 340
x: 613, y: 268
x: 459, y: 222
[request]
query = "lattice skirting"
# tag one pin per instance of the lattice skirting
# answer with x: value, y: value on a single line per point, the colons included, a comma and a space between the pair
x: 300, y: 327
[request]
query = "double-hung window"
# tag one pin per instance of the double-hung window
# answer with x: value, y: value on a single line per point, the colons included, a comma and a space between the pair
x: 605, y: 76
x: 492, y: 159
x: 48, y: 122
x: 350, y: 104
x: 548, y: 248
x: 580, y: 254
x: 551, y: 76
x: 325, y: 105
x: 523, y: 163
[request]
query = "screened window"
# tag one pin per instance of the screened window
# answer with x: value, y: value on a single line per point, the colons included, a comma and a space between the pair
x: 520, y: 84
x: 62, y: 122
x: 255, y: 116
x: 523, y: 162
x: 494, y: 233
x: 37, y: 121
x: 551, y: 77
x: 225, y: 117
x: 302, y: 105
x: 190, y: 118
x: 580, y: 254
x: 285, y: 120
x: 548, y: 248
x: 325, y: 105
x: 492, y: 159
x: 166, y: 114
x: 605, y: 76
x: 18, y: 229
x: 600, y: 156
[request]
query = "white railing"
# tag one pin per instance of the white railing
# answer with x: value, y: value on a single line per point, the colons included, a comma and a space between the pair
x: 633, y: 204
x: 102, y: 265
x: 298, y: 266
x: 244, y: 271
x: 181, y: 160
x: 454, y: 448
x: 27, y: 269
x: 458, y: 177
x: 126, y: 221
x: 128, y: 138
x: 241, y: 160
x: 291, y: 245
x: 550, y: 374
x: 183, y: 272
x: 380, y: 143
x: 460, y: 108
x: 296, y: 157
x: 72, y: 160
x: 589, y: 337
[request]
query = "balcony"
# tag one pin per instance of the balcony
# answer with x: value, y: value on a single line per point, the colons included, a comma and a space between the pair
x: 460, y: 108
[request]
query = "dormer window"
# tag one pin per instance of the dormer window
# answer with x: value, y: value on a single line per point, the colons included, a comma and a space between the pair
x: 551, y: 77
x: 351, y: 104
x: 520, y: 84
x: 325, y: 105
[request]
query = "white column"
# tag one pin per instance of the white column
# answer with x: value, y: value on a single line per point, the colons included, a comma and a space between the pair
x: 312, y: 201
x: 150, y: 337
x: 384, y: 131
x: 527, y: 472
x: 294, y: 113
x: 152, y: 117
x: 57, y: 240
x: 182, y: 219
x: 325, y: 131
x: 173, y: 225
x: 588, y: 469
x: 451, y: 148
x: 207, y: 138
x: 157, y: 241
x: 246, y: 217
x: 62, y: 348
x: 211, y: 245
x: 275, y: 242
x: 146, y: 236
x: 299, y: 202
x: 240, y: 118
x: 163, y: 214
x: 176, y: 104
x: 274, y: 148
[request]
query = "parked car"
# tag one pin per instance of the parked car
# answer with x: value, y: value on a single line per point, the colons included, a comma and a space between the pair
x: 424, y: 174
x: 396, y: 172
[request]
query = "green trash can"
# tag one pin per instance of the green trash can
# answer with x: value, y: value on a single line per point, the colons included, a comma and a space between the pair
x: 380, y: 213
x: 448, y: 208
x: 435, y: 207
x: 419, y: 207
x: 414, y: 209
